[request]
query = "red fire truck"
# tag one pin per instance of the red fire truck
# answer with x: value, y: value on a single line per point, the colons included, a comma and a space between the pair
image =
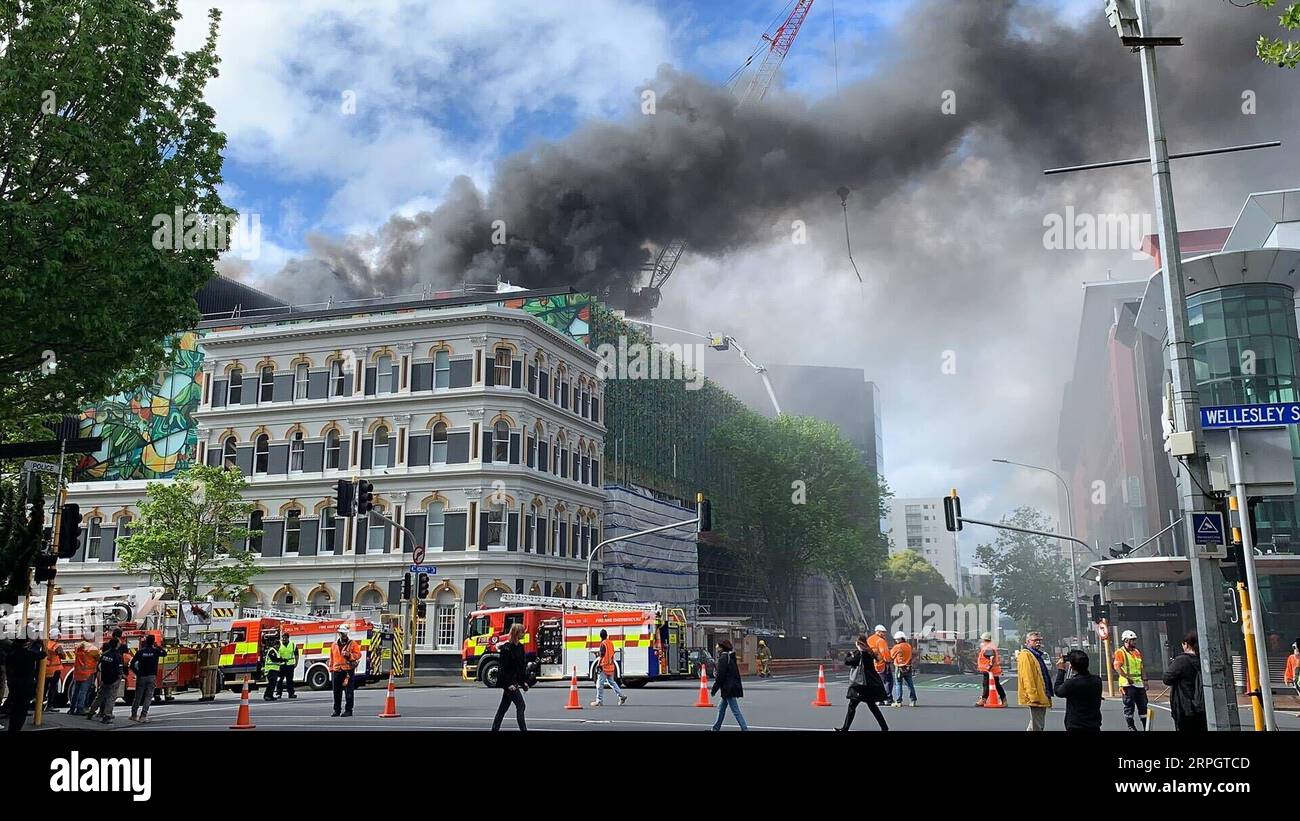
x: 261, y: 630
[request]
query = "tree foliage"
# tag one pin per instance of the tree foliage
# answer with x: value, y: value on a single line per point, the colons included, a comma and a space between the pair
x: 1281, y: 53
x: 189, y: 531
x: 1031, y: 582
x: 22, y: 518
x: 103, y: 129
x: 804, y: 503
x: 907, y: 574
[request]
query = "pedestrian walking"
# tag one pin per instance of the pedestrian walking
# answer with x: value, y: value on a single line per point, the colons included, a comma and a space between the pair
x: 606, y: 671
x: 879, y: 642
x: 1132, y: 680
x: 271, y: 671
x: 864, y: 685
x: 112, y: 671
x: 22, y: 663
x: 727, y: 684
x: 85, y: 662
x: 1033, y: 685
x: 1288, y: 677
x: 1081, y: 691
x: 989, y: 663
x: 5, y: 644
x: 764, y: 660
x: 512, y: 678
x: 145, y: 666
x: 345, y: 654
x: 901, y: 655
x: 53, y: 670
x: 1186, y: 693
x: 287, y: 655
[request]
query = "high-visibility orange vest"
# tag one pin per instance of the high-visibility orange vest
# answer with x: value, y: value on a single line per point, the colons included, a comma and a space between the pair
x: 990, y: 665
x: 53, y: 659
x: 902, y: 653
x: 607, y: 656
x: 880, y: 645
x: 83, y: 668
x: 344, y: 660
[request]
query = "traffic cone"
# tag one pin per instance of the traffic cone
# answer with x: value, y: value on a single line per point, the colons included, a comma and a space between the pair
x: 573, y: 704
x: 243, y: 721
x: 703, y: 700
x: 994, y: 700
x: 390, y: 703
x: 821, y: 700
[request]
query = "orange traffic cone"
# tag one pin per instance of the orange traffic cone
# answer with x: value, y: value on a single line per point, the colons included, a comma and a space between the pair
x: 821, y: 700
x: 994, y: 700
x: 243, y: 721
x: 390, y: 703
x: 573, y: 704
x: 703, y: 700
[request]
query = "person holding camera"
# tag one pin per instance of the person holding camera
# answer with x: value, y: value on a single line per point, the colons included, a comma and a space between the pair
x: 1082, y: 692
x: 512, y: 678
x: 864, y: 685
x: 1186, y: 694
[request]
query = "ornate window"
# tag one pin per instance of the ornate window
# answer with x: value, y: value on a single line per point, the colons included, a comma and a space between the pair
x: 295, y: 451
x: 235, y: 391
x: 332, y: 450
x: 438, y: 448
x: 262, y: 454
x: 292, y: 531
x: 300, y: 382
x: 501, y: 442
x: 266, y: 388
x: 433, y: 528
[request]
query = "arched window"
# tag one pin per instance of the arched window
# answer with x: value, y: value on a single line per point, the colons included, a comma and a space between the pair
x: 384, y: 375
x: 441, y: 369
x: 332, y: 450
x: 94, y: 536
x: 438, y: 450
x: 255, y: 527
x: 446, y: 619
x: 338, y: 380
x: 235, y: 392
x: 292, y: 531
x: 370, y: 598
x: 320, y: 603
x: 330, y: 539
x: 558, y: 453
x: 266, y: 389
x: 375, y: 533
x: 382, y: 444
x: 295, y: 451
x: 300, y: 381
x: 262, y: 454
x: 501, y: 374
x: 228, y: 452
x: 434, y: 526
x: 501, y: 441
x: 495, y: 536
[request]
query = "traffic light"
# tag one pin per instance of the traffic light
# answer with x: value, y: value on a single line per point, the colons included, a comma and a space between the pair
x: 365, y: 497
x: 43, y: 565
x: 420, y: 610
x: 345, y: 501
x: 704, y: 510
x: 406, y: 586
x: 424, y: 585
x: 952, y: 512
x: 69, y: 530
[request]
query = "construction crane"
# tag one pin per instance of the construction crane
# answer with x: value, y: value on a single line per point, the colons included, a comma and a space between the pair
x: 778, y: 43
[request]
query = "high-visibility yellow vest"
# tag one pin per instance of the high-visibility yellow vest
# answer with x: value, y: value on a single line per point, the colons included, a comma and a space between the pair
x: 1130, y: 667
x: 288, y: 654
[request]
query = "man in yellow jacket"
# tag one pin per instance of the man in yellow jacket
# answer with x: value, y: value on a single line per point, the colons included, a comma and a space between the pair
x: 1033, y: 683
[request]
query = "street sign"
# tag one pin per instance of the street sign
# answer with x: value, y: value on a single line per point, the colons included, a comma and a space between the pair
x: 1148, y: 612
x: 1207, y: 527
x: 417, y: 555
x: 40, y: 467
x: 1251, y: 416
x: 423, y: 568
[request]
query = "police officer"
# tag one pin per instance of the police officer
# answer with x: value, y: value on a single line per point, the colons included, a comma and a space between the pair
x: 271, y: 669
x: 288, y: 655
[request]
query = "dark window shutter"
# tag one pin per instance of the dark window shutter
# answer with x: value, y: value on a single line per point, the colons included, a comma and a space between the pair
x: 388, y: 539
x: 308, y: 535
x: 586, y: 471
x: 544, y: 385
x: 528, y: 533
x: 272, y: 538
x: 489, y: 370
x: 514, y: 448
x: 244, y: 459
x: 347, y: 383
x: 80, y: 555
x: 422, y: 376
x: 278, y: 461
x: 370, y: 382
x: 360, y: 533
x: 595, y: 472
x: 219, y: 393
x: 516, y: 374
x: 214, y: 456
x: 395, y: 591
x: 417, y: 452
x: 417, y: 523
x: 595, y: 409
x: 457, y: 448
x: 343, y: 452
x: 392, y: 449
x: 347, y: 591
x: 318, y: 384
x: 313, y: 457
x: 282, y: 387
x: 461, y: 373
x: 107, y: 544
x: 573, y: 539
x: 564, y: 463
x: 367, y: 453
x: 482, y: 531
x: 453, y: 531
x: 528, y: 448
x: 471, y: 594
x: 564, y: 539
x: 487, y: 447
x: 512, y: 535
x: 532, y: 379
x: 543, y: 456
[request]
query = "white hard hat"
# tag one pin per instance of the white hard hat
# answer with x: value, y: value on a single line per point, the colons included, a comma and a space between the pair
x: 900, y: 635
x: 1128, y: 634
x: 880, y: 628
x: 54, y: 634
x: 986, y: 636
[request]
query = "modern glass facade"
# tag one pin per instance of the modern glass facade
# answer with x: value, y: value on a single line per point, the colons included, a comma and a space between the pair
x: 1247, y: 350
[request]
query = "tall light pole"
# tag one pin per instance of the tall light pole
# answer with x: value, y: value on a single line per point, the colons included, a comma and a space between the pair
x: 1069, y: 518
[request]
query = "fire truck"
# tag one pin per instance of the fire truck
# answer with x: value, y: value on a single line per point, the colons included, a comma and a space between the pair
x: 260, y: 629
x: 563, y: 635
x: 942, y: 651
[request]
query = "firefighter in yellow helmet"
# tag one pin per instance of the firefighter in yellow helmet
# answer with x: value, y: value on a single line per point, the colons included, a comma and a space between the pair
x: 764, y: 660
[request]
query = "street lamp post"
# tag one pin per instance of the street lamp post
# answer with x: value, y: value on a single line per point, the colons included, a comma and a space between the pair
x: 1069, y: 518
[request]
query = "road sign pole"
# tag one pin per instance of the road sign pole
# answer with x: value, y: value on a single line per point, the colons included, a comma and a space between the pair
x: 1252, y: 579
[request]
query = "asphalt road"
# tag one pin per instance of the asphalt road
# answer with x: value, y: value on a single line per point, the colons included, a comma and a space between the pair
x: 946, y: 702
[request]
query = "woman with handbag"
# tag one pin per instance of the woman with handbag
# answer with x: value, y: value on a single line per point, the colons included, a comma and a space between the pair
x: 865, y: 685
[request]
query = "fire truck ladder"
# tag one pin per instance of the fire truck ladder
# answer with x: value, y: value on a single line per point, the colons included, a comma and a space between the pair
x: 283, y: 615
x: 576, y: 604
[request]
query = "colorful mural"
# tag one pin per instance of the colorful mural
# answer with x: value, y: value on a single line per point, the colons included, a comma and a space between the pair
x: 148, y: 433
x: 567, y: 313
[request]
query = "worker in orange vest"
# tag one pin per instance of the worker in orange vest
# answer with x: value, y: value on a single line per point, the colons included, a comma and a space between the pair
x: 1292, y: 667
x: 607, y: 671
x: 53, y: 669
x: 345, y: 655
x: 879, y: 644
x: 989, y: 662
x: 901, y: 654
x: 85, y: 663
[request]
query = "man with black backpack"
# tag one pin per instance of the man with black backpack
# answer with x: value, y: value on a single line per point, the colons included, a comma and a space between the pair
x: 1186, y: 694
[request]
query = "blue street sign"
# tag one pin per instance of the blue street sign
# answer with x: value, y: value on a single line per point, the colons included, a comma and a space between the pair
x: 423, y: 568
x: 1208, y: 528
x: 1251, y: 416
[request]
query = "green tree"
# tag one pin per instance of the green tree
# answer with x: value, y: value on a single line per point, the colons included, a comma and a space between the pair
x: 1031, y: 583
x: 103, y: 132
x: 22, y: 520
x: 908, y: 574
x: 189, y: 532
x: 805, y: 503
x: 1281, y: 53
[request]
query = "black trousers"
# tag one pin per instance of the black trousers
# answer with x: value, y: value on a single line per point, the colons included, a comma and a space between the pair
x: 853, y: 710
x: 19, y: 698
x: 1135, y: 700
x: 1193, y: 723
x: 997, y: 683
x: 508, y: 697
x: 286, y: 680
x: 272, y: 677
x: 339, y: 689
